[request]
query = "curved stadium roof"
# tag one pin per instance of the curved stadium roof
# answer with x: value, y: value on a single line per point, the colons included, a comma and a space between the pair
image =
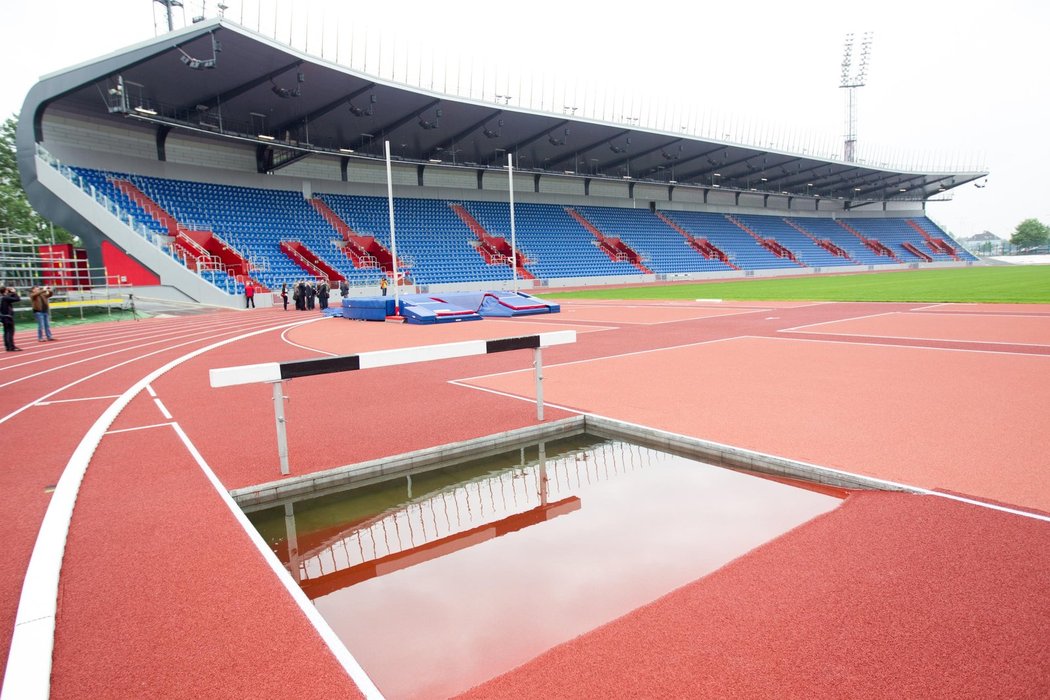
x: 221, y: 79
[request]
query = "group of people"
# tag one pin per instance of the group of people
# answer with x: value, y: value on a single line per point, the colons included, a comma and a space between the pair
x: 307, y: 295
x: 40, y: 297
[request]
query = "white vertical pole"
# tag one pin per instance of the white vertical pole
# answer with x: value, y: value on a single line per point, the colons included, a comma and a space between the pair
x: 282, y: 434
x: 537, y: 355
x: 513, y: 236
x: 393, y: 238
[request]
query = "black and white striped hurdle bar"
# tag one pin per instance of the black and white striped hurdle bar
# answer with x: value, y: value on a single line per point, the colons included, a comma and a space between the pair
x: 277, y: 372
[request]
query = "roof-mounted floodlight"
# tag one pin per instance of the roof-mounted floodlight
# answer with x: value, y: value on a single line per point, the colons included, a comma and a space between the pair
x: 424, y: 123
x: 358, y: 112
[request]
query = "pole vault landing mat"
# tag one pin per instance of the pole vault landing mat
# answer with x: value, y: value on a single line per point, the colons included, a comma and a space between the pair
x: 499, y: 304
x: 503, y: 304
x: 427, y: 309
x: 368, y: 308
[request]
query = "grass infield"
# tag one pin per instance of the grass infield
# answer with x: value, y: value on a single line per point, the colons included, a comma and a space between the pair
x: 1028, y: 284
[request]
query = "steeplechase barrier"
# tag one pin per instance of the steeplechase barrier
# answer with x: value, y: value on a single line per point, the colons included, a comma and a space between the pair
x: 276, y: 373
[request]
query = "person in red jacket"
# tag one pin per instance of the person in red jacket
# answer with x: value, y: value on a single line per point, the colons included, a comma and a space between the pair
x: 249, y: 294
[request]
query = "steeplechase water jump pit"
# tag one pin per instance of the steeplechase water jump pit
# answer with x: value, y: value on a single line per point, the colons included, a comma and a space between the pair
x: 443, y: 576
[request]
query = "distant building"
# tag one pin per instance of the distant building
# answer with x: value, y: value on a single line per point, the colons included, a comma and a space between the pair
x: 986, y: 243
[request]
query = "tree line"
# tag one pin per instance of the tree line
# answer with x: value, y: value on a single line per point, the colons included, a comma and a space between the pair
x: 1031, y: 233
x: 16, y: 213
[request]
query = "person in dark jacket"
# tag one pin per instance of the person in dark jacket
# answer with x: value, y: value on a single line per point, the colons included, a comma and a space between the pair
x: 311, y: 294
x: 8, y: 298
x: 300, y: 296
x: 284, y: 294
x: 322, y: 295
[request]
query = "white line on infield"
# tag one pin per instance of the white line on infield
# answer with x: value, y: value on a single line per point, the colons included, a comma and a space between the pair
x: 162, y: 408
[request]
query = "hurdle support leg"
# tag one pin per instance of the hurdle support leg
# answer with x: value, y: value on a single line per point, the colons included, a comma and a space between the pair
x: 537, y: 355
x: 282, y: 431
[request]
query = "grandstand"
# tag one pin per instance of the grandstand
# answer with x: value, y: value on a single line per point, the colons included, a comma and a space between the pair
x: 190, y: 181
x: 186, y: 182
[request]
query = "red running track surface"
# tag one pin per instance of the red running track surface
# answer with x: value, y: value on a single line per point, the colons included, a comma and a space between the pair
x: 135, y: 556
x: 888, y: 596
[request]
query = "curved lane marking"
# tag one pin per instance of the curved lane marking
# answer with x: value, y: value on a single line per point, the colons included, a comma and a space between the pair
x: 28, y: 674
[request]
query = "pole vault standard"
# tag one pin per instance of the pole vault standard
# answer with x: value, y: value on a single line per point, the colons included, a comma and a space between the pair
x: 276, y: 373
x: 393, y: 237
x: 513, y: 239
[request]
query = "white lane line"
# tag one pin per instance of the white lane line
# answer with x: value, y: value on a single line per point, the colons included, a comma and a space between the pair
x: 923, y: 339
x: 342, y: 654
x: 93, y: 346
x: 185, y: 332
x: 701, y: 317
x: 606, y: 357
x: 140, y: 427
x: 86, y: 398
x: 59, y: 390
x: 284, y: 337
x: 831, y: 339
x: 838, y: 320
x: 163, y: 410
x: 152, y: 393
x: 28, y: 674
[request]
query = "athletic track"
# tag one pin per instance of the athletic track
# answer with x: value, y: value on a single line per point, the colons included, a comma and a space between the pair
x: 164, y: 594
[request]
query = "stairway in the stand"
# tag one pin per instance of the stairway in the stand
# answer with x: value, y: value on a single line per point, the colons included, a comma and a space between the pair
x: 365, y: 252
x: 937, y: 245
x: 615, y: 248
x: 199, y: 250
x: 305, y: 258
x: 769, y: 244
x: 825, y: 243
x: 701, y: 245
x: 876, y: 246
x: 494, y: 250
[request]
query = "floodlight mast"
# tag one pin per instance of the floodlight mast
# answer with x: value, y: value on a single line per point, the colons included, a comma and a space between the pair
x: 170, y: 4
x: 851, y: 81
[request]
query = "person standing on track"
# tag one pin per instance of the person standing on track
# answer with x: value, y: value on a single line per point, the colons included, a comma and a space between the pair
x: 249, y: 295
x: 300, y: 296
x: 322, y: 295
x: 284, y: 294
x: 9, y: 297
x: 311, y: 294
x: 42, y: 311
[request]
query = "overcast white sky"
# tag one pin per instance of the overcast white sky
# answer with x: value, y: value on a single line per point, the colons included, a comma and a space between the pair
x: 948, y: 85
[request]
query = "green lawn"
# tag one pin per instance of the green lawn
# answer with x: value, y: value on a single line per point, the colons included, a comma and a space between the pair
x: 1020, y: 284
x: 76, y: 315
